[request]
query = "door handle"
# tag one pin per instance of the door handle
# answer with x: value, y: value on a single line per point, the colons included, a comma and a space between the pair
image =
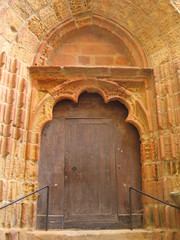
x: 74, y: 169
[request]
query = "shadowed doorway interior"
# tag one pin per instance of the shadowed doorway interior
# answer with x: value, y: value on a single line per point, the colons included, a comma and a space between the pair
x: 89, y: 157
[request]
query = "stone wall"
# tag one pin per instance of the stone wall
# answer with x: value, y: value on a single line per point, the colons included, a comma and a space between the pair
x: 91, y: 46
x: 33, y: 32
x: 15, y: 101
x: 162, y: 175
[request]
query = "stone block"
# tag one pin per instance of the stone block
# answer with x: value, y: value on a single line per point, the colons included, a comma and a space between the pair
x: 6, y: 32
x: 147, y: 5
x: 60, y: 8
x: 169, y: 22
x: 36, y: 27
x: 73, y: 48
x: 48, y: 17
x: 76, y: 6
x: 23, y: 235
x: 173, y: 35
x: 37, y: 4
x: 99, y: 49
x: 11, y: 18
x: 84, y: 60
x: 104, y: 60
x: 169, y: 235
x: 22, y: 7
x: 147, y: 171
x: 156, y: 215
x: 158, y: 235
x: 122, y: 61
x: 122, y: 10
x: 28, y: 188
x: 2, y: 235
x: 155, y: 45
x: 167, y: 217
x: 22, y: 53
x: 31, y: 170
x: 27, y: 39
x: 2, y: 189
x: 27, y: 215
x: 83, y: 21
x: 62, y: 60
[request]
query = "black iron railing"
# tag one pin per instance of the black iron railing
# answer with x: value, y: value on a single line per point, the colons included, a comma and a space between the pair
x: 38, y: 190
x: 147, y: 195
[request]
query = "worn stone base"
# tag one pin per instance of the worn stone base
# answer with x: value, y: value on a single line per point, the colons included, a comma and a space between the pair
x: 138, y: 234
x: 91, y: 235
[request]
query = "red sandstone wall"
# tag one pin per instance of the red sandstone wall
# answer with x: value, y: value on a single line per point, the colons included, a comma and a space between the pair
x: 91, y: 46
x: 14, y: 120
x: 161, y: 174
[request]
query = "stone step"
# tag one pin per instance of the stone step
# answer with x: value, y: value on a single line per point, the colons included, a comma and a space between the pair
x: 137, y: 234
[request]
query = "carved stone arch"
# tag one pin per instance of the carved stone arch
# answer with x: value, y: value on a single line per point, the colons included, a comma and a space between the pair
x: 72, y: 86
x: 64, y: 30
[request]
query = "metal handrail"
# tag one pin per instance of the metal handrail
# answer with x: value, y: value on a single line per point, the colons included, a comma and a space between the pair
x: 143, y: 193
x: 38, y: 190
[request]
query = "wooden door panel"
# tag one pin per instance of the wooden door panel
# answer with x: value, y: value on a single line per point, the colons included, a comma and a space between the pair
x: 128, y: 167
x: 90, y: 181
x: 51, y: 167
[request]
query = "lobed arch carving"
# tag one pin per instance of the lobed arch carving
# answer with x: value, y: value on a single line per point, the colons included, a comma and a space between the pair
x: 53, y: 84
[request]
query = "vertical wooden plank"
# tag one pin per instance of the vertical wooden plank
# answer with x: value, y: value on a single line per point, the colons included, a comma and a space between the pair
x: 128, y: 166
x: 51, y: 165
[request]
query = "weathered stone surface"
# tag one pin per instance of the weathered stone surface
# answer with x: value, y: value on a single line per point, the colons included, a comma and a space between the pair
x: 4, y: 45
x: 22, y: 7
x: 37, y: 4
x: 176, y: 4
x: 6, y: 32
x: 35, y: 26
x: 61, y: 9
x: 147, y: 5
x: 22, y: 53
x: 27, y: 39
x: 91, y: 235
x: 48, y: 17
x: 122, y: 9
x: 79, y: 6
x: 161, y: 10
x: 106, y: 6
x: 31, y: 170
x: 10, y: 16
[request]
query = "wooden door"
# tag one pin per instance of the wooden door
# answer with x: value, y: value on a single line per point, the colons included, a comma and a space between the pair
x: 90, y: 180
x: 89, y: 156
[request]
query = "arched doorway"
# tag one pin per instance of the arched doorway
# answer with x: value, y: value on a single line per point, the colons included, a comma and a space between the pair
x: 90, y: 157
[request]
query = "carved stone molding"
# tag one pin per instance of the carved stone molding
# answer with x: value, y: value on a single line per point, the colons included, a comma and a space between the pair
x: 64, y: 30
x: 131, y: 86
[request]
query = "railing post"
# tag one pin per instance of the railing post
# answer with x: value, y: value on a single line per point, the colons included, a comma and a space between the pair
x: 130, y: 209
x: 47, y: 208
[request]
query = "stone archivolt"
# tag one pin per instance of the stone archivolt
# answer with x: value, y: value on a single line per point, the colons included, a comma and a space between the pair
x: 65, y: 30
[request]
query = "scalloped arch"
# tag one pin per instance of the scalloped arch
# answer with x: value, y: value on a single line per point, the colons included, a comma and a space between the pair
x: 110, y: 91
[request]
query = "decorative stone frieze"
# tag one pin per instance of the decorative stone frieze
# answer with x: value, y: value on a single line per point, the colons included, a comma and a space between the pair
x: 52, y: 84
